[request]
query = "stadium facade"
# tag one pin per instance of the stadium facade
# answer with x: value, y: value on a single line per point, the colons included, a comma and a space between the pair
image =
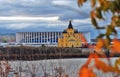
x: 37, y: 37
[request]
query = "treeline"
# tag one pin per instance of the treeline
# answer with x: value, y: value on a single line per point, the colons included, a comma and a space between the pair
x: 40, y: 53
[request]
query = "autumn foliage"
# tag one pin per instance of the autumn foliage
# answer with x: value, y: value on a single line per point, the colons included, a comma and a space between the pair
x: 116, y: 46
x: 98, y: 63
x: 87, y: 71
x: 97, y: 13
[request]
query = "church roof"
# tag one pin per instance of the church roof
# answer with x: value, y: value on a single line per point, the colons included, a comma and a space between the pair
x: 70, y: 25
x: 64, y: 31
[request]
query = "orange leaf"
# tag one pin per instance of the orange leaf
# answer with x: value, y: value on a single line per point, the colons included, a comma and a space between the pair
x: 93, y: 2
x: 101, y: 2
x: 80, y: 2
x: 99, y: 45
x: 116, y: 46
x: 83, y: 39
x: 86, y: 71
x: 93, y: 14
x: 100, y: 65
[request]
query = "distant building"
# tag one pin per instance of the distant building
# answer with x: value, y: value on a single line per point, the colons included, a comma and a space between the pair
x: 70, y: 37
x: 52, y: 38
x: 7, y: 37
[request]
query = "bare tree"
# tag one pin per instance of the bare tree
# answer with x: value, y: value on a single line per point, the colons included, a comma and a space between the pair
x: 4, y: 68
x: 33, y: 69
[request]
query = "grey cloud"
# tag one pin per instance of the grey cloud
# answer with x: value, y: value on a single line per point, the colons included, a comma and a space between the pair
x: 73, y: 15
x: 42, y: 8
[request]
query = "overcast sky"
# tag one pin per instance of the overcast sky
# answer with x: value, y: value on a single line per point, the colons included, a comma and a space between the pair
x: 45, y: 15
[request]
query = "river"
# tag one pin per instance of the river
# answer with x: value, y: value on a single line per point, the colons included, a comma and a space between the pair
x: 53, y: 67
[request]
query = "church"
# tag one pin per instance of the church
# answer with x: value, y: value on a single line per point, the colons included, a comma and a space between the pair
x: 70, y: 37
